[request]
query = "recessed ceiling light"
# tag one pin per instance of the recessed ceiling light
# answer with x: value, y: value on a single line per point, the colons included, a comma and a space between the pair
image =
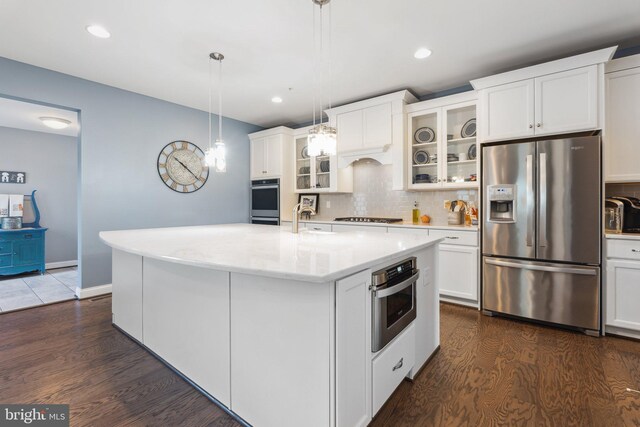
x: 98, y: 31
x: 55, y: 122
x: 422, y: 53
x: 276, y: 100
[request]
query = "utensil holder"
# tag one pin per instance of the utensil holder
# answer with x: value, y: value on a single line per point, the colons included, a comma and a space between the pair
x: 455, y: 218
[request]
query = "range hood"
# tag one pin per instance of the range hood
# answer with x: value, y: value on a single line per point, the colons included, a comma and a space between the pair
x: 380, y: 154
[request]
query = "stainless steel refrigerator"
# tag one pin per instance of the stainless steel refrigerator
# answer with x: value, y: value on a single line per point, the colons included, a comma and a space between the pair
x: 541, y: 232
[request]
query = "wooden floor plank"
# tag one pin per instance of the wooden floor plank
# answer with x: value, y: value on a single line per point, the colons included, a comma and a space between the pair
x: 489, y: 371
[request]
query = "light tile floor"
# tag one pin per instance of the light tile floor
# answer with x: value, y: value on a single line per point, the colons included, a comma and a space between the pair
x: 33, y: 290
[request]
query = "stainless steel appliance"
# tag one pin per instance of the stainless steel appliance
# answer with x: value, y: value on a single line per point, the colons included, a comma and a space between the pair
x: 393, y: 301
x: 630, y: 213
x: 542, y: 230
x: 265, y: 201
x: 369, y: 219
x: 613, y: 215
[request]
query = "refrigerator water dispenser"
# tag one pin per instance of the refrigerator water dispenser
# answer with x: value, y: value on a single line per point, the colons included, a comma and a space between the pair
x: 502, y: 200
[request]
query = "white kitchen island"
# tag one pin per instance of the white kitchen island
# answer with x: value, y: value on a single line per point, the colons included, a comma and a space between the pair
x: 273, y: 325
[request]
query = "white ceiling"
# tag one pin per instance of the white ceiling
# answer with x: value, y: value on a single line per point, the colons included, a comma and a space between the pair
x: 160, y: 48
x: 26, y: 115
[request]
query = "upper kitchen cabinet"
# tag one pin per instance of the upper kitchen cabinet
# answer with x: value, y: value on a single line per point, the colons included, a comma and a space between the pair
x: 374, y: 129
x: 556, y: 97
x: 442, y: 144
x: 318, y: 174
x: 270, y: 152
x: 621, y: 132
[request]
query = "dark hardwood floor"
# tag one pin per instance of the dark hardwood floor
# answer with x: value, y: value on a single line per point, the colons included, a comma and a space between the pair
x: 492, y: 371
x: 489, y: 371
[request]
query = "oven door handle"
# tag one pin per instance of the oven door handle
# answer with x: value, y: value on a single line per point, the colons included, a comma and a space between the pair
x: 264, y: 187
x: 382, y: 293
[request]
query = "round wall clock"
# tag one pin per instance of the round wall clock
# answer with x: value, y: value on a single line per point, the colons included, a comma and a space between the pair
x: 181, y: 167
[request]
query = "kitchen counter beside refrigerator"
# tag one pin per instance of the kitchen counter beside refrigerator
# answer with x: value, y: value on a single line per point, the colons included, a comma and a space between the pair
x: 282, y: 329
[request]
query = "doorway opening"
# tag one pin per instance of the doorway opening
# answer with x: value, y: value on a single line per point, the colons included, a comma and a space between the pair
x: 39, y: 159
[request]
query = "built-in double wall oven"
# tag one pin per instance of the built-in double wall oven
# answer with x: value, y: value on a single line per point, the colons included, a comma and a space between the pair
x: 265, y: 201
x: 393, y: 301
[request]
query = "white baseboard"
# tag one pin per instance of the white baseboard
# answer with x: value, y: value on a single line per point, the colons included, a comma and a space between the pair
x: 61, y: 264
x: 93, y: 291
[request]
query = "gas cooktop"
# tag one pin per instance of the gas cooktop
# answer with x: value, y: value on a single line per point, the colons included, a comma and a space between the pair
x: 369, y: 219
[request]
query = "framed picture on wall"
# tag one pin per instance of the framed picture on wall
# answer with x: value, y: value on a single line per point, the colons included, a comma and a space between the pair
x: 310, y: 200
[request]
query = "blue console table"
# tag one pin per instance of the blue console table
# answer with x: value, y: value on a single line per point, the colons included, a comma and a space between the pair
x: 22, y: 250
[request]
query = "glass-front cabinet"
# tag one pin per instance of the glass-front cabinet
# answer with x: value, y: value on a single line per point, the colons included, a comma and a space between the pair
x: 443, y: 147
x: 319, y: 174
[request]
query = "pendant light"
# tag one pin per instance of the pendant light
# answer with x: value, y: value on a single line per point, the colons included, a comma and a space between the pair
x: 322, y: 137
x: 216, y: 155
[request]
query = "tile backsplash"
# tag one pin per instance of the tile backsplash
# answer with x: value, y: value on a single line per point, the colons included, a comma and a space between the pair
x: 628, y: 189
x: 372, y: 196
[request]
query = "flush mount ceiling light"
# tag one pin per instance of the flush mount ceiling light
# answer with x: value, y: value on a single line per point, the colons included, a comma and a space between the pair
x: 55, y: 122
x: 422, y: 53
x: 98, y: 31
x: 216, y: 155
x: 276, y: 100
x: 322, y: 137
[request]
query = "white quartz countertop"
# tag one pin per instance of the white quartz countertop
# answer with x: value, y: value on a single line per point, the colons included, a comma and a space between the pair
x: 623, y: 236
x: 395, y: 224
x: 264, y: 250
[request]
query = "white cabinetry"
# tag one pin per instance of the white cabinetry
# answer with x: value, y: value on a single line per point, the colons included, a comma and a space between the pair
x: 458, y: 266
x: 623, y: 287
x: 127, y: 293
x: 622, y: 132
x: 556, y: 103
x: 319, y: 174
x: 353, y: 350
x: 446, y: 160
x: 555, y: 97
x: 186, y: 322
x: 270, y: 152
x: 507, y: 110
x: 373, y: 128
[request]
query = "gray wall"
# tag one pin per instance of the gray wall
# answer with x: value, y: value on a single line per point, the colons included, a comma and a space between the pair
x: 121, y: 136
x: 51, y: 164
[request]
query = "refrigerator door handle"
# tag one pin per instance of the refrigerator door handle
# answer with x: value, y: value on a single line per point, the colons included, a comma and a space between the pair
x: 530, y: 200
x: 535, y: 267
x: 542, y: 226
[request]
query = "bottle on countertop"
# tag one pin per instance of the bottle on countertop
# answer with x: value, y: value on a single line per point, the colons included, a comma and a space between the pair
x: 415, y: 213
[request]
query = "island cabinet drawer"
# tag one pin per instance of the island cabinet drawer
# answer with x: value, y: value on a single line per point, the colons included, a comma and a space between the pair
x: 318, y: 227
x: 624, y: 249
x: 455, y: 237
x: 5, y: 260
x: 391, y: 366
x: 5, y: 248
x: 367, y: 228
x: 19, y: 235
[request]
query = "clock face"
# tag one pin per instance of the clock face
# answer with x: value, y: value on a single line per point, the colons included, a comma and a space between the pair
x: 182, y: 168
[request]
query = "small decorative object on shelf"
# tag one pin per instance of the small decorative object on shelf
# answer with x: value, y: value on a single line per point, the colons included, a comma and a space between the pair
x: 310, y: 200
x: 9, y: 177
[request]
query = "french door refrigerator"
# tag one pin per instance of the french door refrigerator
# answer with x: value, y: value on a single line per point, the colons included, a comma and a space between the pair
x: 541, y: 233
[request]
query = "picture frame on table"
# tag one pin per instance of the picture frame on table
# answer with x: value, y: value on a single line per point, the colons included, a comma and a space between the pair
x: 310, y: 200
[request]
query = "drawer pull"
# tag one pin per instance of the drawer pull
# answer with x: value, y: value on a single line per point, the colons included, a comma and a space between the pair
x: 28, y: 236
x: 317, y: 228
x: 635, y: 250
x: 453, y: 237
x: 399, y: 364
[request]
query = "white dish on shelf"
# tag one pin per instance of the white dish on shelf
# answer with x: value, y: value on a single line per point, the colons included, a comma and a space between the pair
x: 421, y: 157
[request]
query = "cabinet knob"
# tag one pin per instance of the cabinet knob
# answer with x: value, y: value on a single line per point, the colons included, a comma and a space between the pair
x: 538, y: 124
x: 635, y: 250
x: 530, y: 126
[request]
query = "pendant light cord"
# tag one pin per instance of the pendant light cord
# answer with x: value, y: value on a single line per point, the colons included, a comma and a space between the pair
x: 315, y: 66
x: 220, y: 102
x: 210, y: 84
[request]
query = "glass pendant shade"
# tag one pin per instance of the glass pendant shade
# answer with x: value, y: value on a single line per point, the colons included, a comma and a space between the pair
x: 216, y: 156
x: 220, y: 155
x: 322, y: 140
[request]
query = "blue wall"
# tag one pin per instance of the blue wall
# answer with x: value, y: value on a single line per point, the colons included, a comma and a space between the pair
x: 122, y: 134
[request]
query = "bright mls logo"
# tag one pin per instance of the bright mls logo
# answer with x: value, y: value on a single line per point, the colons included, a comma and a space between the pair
x: 34, y: 415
